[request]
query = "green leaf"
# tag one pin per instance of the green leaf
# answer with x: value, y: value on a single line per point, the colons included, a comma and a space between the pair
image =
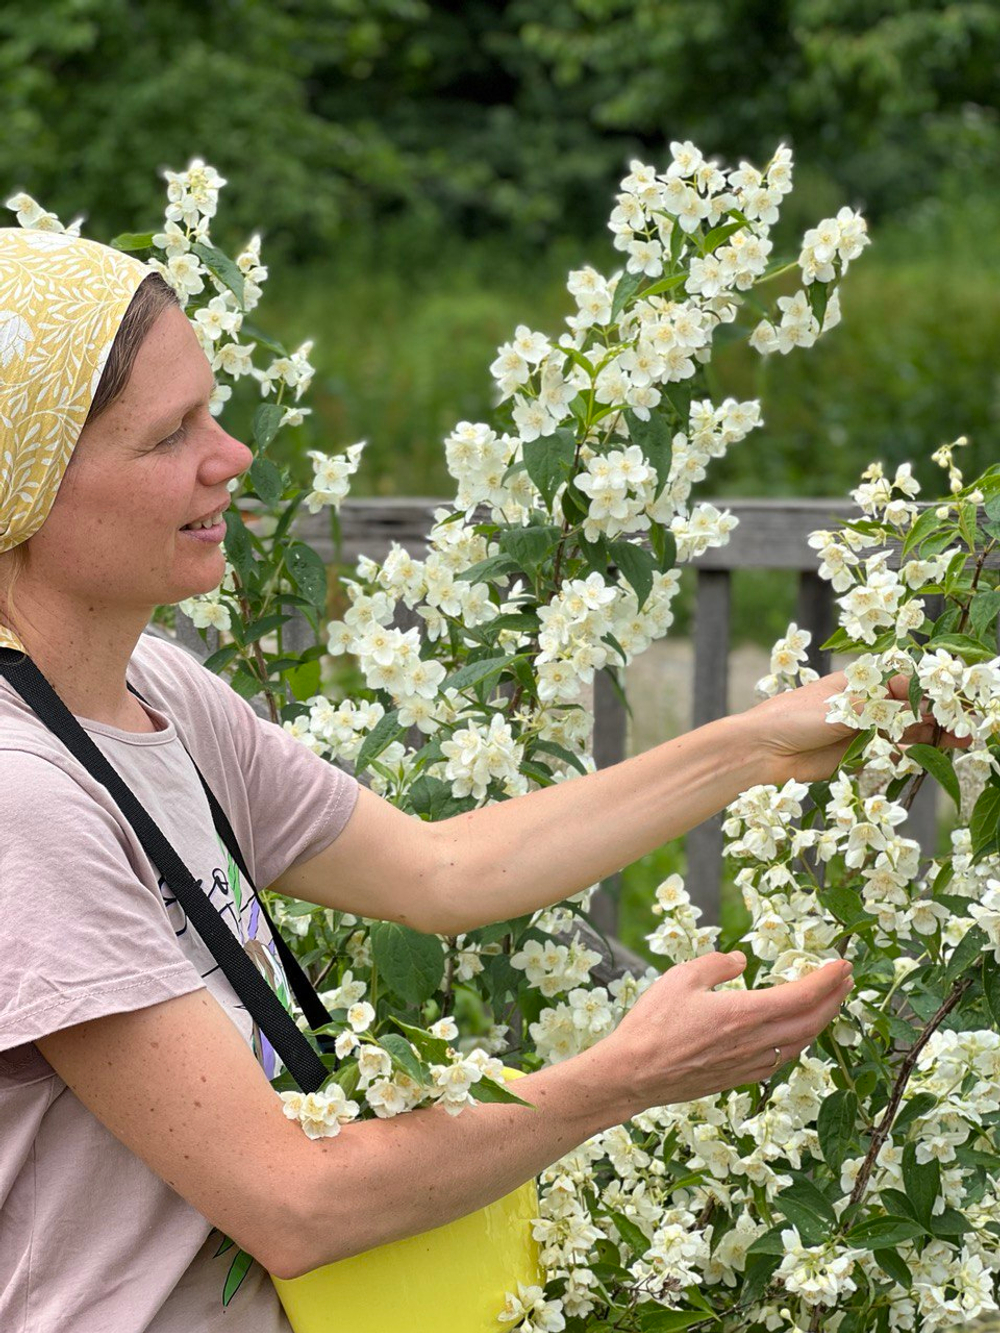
x: 880, y: 1233
x: 560, y: 751
x: 238, y: 544
x: 770, y: 1242
x: 267, y: 480
x: 266, y: 420
x: 637, y: 565
x: 307, y: 572
x: 384, y: 732
x: 474, y: 673
x: 664, y: 285
x: 922, y: 1181
x: 965, y: 953
x: 488, y: 1090
x: 259, y: 628
x: 409, y: 962
x: 529, y: 546
x: 896, y: 1199
x: 718, y: 235
x: 549, y: 461
x: 595, y: 553
x: 630, y: 1233
x: 939, y: 767
x: 984, y: 823
x: 134, y: 240
x: 626, y: 287
x: 835, y: 1126
x: 983, y: 612
x: 845, y: 904
x: 485, y: 571
x: 433, y: 1049
x: 217, y: 660
x: 612, y: 642
x: 224, y: 268
x: 991, y: 986
x: 809, y: 1211
x: 967, y: 523
x: 890, y: 1262
x: 248, y: 330
x: 819, y: 295
x: 664, y: 545
x: 238, y: 1270
x: 925, y: 524
x: 916, y: 1106
x: 655, y: 439
x: 403, y: 1056
x: 432, y: 798
x: 839, y: 641
x: 304, y: 681
x: 949, y: 1222
x: 654, y: 1319
x: 857, y: 746
x: 970, y: 650
x: 758, y: 1274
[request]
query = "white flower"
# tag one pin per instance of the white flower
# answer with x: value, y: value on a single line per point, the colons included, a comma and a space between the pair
x: 320, y: 1114
x: 361, y: 1016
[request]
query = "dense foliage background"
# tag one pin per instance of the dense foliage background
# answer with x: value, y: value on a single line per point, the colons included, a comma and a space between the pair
x: 424, y: 175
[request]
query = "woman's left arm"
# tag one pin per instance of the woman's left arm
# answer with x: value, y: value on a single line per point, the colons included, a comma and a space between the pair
x: 519, y: 855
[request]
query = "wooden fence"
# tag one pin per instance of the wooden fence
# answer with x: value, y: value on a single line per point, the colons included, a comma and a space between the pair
x: 771, y: 534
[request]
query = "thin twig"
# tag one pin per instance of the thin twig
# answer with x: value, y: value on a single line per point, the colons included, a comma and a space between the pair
x: 902, y: 1078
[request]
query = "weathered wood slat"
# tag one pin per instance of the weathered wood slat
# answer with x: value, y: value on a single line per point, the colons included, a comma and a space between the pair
x: 608, y: 748
x: 815, y: 612
x: 710, y: 701
x: 772, y: 534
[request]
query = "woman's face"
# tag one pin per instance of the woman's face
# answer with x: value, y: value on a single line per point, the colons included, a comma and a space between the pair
x: 153, y: 461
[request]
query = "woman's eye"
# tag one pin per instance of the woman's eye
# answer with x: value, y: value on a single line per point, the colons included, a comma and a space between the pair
x: 176, y: 438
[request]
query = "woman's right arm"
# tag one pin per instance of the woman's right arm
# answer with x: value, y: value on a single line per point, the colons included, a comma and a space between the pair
x: 179, y: 1086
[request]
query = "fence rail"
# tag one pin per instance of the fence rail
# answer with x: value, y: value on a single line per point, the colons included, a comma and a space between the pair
x: 771, y: 534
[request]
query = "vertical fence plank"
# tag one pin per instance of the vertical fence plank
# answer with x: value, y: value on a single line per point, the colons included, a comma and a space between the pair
x: 608, y: 749
x: 922, y: 823
x: 814, y: 612
x: 190, y: 637
x: 710, y: 701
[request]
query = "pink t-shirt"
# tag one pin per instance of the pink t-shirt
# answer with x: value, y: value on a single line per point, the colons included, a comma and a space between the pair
x: 92, y: 1240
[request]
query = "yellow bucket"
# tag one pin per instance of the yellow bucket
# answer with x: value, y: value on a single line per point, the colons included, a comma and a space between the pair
x: 453, y: 1277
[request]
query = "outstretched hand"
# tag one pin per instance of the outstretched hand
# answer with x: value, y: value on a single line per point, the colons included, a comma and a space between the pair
x: 799, y: 742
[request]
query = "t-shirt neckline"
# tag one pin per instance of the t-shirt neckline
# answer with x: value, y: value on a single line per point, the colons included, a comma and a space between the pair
x: 167, y: 731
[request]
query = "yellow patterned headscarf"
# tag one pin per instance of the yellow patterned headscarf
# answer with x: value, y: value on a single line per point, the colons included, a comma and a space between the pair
x: 62, y: 299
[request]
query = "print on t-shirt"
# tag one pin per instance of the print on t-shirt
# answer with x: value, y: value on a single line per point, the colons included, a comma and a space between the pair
x: 238, y: 904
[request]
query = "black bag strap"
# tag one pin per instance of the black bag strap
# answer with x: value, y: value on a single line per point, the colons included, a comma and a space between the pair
x: 298, y: 1056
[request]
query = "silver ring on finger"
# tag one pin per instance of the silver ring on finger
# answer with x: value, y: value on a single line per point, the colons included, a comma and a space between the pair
x: 777, y: 1057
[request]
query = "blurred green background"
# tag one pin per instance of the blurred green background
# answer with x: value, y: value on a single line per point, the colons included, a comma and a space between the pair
x: 424, y: 175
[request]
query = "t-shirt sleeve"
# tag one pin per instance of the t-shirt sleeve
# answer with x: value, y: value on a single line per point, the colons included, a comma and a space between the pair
x: 299, y: 802
x: 83, y: 934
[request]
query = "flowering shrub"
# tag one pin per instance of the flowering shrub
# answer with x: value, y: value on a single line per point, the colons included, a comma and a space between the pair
x: 857, y: 1185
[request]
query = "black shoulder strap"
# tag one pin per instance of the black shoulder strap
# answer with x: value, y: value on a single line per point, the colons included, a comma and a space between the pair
x: 299, y: 1057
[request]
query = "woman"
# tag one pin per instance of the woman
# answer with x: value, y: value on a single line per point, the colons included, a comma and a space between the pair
x: 135, y: 1108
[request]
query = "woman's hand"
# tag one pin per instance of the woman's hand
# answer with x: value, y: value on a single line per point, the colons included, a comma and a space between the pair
x: 799, y: 743
x: 681, y: 1040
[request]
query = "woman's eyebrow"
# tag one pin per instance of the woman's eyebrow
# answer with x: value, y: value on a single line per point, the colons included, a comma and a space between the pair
x: 164, y: 422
